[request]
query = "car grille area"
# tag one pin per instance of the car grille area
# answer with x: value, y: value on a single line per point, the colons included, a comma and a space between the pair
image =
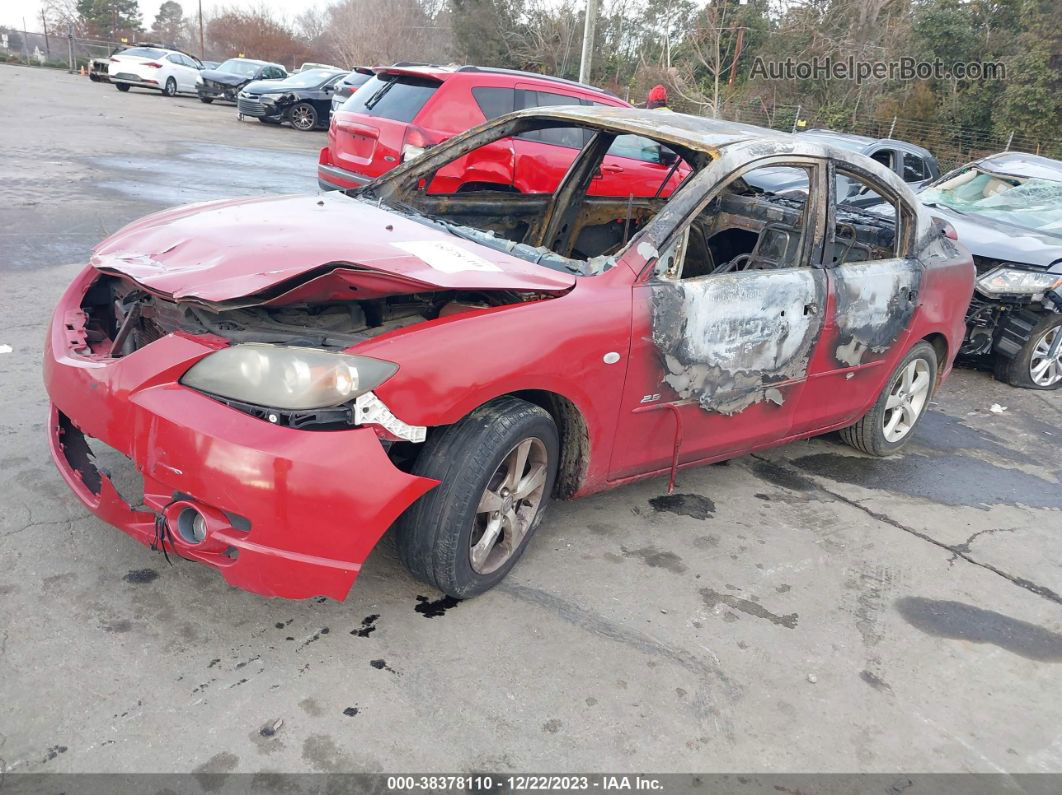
x: 250, y: 106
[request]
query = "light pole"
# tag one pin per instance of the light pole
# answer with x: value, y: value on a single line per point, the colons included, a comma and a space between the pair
x: 588, y: 41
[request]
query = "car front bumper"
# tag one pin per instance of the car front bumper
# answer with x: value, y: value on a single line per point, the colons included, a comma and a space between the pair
x: 289, y: 513
x: 213, y: 92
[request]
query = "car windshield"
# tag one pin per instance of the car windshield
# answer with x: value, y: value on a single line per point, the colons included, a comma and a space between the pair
x: 1027, y: 202
x: 235, y: 66
x: 144, y: 52
x: 309, y: 79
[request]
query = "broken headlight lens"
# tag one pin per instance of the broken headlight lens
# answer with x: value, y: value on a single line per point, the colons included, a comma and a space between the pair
x: 1012, y: 281
x: 287, y: 378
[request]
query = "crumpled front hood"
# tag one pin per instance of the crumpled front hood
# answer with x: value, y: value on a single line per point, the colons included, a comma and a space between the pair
x: 220, y: 252
x: 992, y: 239
x: 225, y: 78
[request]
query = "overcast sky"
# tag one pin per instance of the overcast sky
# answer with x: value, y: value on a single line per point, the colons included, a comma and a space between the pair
x: 12, y: 12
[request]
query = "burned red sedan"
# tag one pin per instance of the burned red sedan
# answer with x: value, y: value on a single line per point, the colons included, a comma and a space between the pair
x: 293, y: 376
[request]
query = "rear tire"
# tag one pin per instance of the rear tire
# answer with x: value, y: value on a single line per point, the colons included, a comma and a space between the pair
x: 122, y: 86
x: 1029, y: 369
x: 889, y: 425
x: 170, y: 89
x: 465, y: 535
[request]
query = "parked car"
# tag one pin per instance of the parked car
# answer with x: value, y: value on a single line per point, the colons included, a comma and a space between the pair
x: 293, y: 375
x: 404, y: 110
x: 169, y: 71
x: 306, y: 67
x: 303, y: 99
x: 225, y: 81
x: 99, y: 69
x: 349, y: 84
x: 1007, y: 209
x: 911, y: 163
x: 211, y: 64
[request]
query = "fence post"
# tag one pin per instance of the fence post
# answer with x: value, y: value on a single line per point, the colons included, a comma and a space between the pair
x: 1009, y: 139
x: 70, y: 47
x: 797, y: 116
x: 891, y: 127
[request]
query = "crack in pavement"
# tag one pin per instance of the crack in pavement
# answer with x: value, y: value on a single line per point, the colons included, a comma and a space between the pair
x: 957, y: 550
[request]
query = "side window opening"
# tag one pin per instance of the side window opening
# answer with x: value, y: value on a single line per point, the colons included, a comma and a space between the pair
x: 914, y: 168
x: 748, y: 228
x: 860, y: 235
x: 494, y: 102
x: 567, y: 136
x: 883, y: 156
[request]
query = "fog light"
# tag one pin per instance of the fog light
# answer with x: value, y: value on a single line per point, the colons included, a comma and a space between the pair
x: 192, y: 526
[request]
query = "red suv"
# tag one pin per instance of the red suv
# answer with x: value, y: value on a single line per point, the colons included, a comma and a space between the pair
x: 404, y: 109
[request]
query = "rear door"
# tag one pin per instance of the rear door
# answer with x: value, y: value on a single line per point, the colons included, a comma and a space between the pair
x: 544, y: 156
x: 370, y: 129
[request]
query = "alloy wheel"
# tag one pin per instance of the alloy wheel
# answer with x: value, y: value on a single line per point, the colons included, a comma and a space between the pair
x: 509, y: 506
x: 1045, y: 364
x: 303, y: 117
x: 907, y: 398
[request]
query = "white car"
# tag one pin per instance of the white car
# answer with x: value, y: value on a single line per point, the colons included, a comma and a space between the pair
x: 169, y: 71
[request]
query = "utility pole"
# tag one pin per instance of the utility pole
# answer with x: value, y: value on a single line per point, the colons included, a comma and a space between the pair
x: 588, y: 41
x: 44, y: 24
x: 202, y: 49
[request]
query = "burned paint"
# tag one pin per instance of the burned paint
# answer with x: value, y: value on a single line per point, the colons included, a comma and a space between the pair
x: 875, y: 303
x: 732, y: 340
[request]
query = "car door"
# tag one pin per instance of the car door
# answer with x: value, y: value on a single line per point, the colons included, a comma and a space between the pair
x: 637, y: 166
x: 724, y: 323
x: 542, y: 157
x: 874, y: 288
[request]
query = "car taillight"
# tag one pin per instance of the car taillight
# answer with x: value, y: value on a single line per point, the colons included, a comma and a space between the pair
x: 416, y: 141
x: 153, y: 65
x: 947, y: 230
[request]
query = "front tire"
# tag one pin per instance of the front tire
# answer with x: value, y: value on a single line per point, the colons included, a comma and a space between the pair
x: 206, y: 100
x: 303, y: 116
x: 122, y: 86
x: 1036, y: 366
x: 496, y: 469
x: 890, y: 423
x: 170, y: 89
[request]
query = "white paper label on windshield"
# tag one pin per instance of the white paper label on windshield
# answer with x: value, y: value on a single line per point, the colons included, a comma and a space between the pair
x: 446, y: 256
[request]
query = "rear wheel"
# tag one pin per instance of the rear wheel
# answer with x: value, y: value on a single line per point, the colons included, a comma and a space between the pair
x: 496, y: 469
x: 122, y: 86
x: 170, y: 89
x: 303, y: 116
x: 1038, y: 364
x: 889, y: 424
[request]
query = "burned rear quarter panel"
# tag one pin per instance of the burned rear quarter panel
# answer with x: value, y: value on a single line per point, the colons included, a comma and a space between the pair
x: 448, y: 367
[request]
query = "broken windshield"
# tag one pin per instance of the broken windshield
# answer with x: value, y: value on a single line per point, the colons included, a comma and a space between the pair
x: 1028, y: 202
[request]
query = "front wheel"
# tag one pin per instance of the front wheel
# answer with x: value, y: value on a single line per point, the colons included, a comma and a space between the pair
x: 496, y: 469
x: 1038, y: 364
x: 170, y: 89
x: 888, y: 426
x: 206, y: 100
x: 303, y: 116
x: 122, y: 86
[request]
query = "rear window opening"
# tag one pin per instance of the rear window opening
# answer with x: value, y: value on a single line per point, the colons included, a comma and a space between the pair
x: 395, y: 97
x: 144, y: 52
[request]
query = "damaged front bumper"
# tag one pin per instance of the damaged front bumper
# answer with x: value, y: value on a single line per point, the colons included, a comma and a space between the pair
x: 287, y: 513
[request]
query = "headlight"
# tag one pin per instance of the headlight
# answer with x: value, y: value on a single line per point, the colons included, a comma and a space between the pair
x: 1012, y: 281
x: 286, y: 378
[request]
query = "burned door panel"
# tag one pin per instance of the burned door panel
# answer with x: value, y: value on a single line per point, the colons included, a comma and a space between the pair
x: 732, y: 340
x: 874, y: 305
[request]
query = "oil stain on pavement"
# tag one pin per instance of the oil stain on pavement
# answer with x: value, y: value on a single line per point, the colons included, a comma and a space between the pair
x: 693, y: 505
x: 959, y: 621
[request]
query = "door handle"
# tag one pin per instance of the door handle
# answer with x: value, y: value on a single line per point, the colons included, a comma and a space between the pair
x: 612, y: 169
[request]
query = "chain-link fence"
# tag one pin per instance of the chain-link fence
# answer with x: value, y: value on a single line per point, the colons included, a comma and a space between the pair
x: 54, y: 49
x: 951, y: 145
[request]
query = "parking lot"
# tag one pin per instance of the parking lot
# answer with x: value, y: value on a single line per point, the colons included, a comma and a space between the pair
x: 804, y: 609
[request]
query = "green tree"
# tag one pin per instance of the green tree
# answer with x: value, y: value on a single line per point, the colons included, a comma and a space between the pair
x: 1031, y: 104
x: 169, y: 22
x: 484, y: 31
x: 110, y: 18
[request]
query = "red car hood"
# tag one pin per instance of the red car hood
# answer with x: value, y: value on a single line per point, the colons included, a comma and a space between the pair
x: 288, y: 249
